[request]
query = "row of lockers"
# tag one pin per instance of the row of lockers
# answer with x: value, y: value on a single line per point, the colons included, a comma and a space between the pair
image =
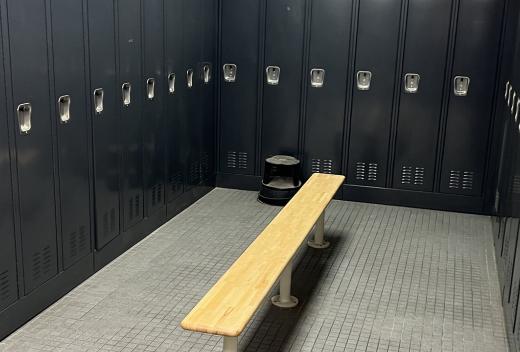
x: 405, y: 104
x: 507, y: 200
x: 108, y: 117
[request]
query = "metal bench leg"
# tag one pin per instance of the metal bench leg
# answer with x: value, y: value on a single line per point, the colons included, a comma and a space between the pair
x: 284, y: 299
x: 230, y: 344
x: 318, y: 241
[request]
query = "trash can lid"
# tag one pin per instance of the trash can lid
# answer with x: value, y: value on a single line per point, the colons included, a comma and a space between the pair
x: 283, y: 160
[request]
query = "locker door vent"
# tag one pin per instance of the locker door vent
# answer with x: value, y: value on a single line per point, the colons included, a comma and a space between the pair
x: 237, y: 160
x: 366, y: 172
x: 372, y: 171
x: 516, y: 184
x: 154, y: 201
x: 41, y: 263
x: 461, y: 180
x: 360, y: 171
x: 4, y: 287
x: 194, y: 173
x: 157, y: 194
x: 175, y: 182
x: 412, y: 175
x: 78, y: 242
x: 73, y: 244
x: 321, y: 166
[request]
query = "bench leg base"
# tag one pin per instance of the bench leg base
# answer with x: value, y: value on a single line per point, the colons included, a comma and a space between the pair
x: 291, y: 303
x: 230, y: 344
x: 313, y: 244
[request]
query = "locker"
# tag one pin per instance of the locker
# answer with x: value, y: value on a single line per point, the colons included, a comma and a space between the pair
x: 285, y: 23
x: 130, y: 105
x: 153, y: 81
x: 193, y: 44
x: 426, y: 43
x: 373, y: 91
x: 105, y: 119
x: 30, y: 85
x: 71, y: 120
x: 325, y: 104
x: 8, y: 275
x: 240, y: 21
x: 175, y: 102
x: 469, y: 113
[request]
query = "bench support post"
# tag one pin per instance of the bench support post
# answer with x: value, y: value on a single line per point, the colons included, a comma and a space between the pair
x: 318, y: 241
x: 230, y: 344
x: 284, y: 299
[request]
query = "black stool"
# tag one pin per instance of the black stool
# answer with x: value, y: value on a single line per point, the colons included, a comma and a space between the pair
x: 281, y: 180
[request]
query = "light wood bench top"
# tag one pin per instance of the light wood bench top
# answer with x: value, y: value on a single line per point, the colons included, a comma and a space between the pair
x: 229, y: 305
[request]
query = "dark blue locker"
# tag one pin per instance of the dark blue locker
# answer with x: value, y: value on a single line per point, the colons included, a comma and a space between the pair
x: 326, y: 78
x: 175, y: 103
x: 374, y: 82
x: 8, y: 276
x: 240, y: 23
x: 285, y: 23
x: 130, y: 103
x: 424, y: 65
x: 154, y: 78
x: 71, y: 119
x: 471, y: 99
x: 105, y: 119
x: 34, y: 149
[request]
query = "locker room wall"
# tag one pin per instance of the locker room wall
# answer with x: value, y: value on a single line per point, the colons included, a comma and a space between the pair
x: 103, y: 140
x: 428, y: 147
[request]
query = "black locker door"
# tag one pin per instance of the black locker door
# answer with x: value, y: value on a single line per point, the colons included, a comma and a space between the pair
x: 192, y: 57
x: 8, y: 277
x: 377, y: 42
x: 240, y: 20
x: 71, y: 118
x: 175, y: 105
x: 468, y: 122
x: 153, y: 46
x: 105, y: 119
x: 426, y: 44
x: 130, y: 103
x: 30, y: 82
x: 325, y: 113
x: 285, y: 23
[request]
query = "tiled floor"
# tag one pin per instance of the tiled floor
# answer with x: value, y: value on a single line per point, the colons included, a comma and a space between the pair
x: 395, y: 279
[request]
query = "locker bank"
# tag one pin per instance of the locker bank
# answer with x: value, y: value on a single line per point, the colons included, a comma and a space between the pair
x: 260, y: 175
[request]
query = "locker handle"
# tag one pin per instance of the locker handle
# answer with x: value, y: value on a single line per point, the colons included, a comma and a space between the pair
x: 317, y: 77
x: 24, y: 112
x: 126, y: 92
x: 171, y: 83
x: 189, y: 78
x: 230, y: 72
x: 99, y: 96
x: 206, y: 73
x: 507, y: 90
x: 509, y: 95
x: 150, y: 88
x: 461, y: 86
x: 273, y: 75
x: 513, y: 105
x: 517, y: 110
x: 64, y: 108
x: 411, y: 83
x: 364, y: 80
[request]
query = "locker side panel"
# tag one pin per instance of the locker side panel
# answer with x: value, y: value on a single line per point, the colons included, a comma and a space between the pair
x: 238, y: 101
x: 69, y: 75
x: 325, y: 112
x: 34, y: 150
x: 465, y: 146
x: 154, y: 78
x: 8, y: 275
x: 175, y: 102
x: 105, y: 123
x: 426, y: 45
x: 129, y: 18
x: 285, y: 22
x: 372, y: 108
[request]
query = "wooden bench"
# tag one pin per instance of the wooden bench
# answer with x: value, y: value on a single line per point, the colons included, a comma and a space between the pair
x: 229, y: 306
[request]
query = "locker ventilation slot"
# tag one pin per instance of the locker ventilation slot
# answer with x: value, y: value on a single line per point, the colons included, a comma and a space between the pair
x: 156, y: 194
x: 237, y: 160
x: 77, y: 242
x: 4, y: 286
x: 321, y: 166
x: 461, y: 180
x: 366, y: 172
x: 41, y: 263
x: 412, y: 175
x: 516, y: 184
x: 73, y: 244
x: 175, y: 182
x: 83, y: 239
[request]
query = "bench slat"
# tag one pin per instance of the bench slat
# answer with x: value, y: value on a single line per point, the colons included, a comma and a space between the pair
x: 229, y: 305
